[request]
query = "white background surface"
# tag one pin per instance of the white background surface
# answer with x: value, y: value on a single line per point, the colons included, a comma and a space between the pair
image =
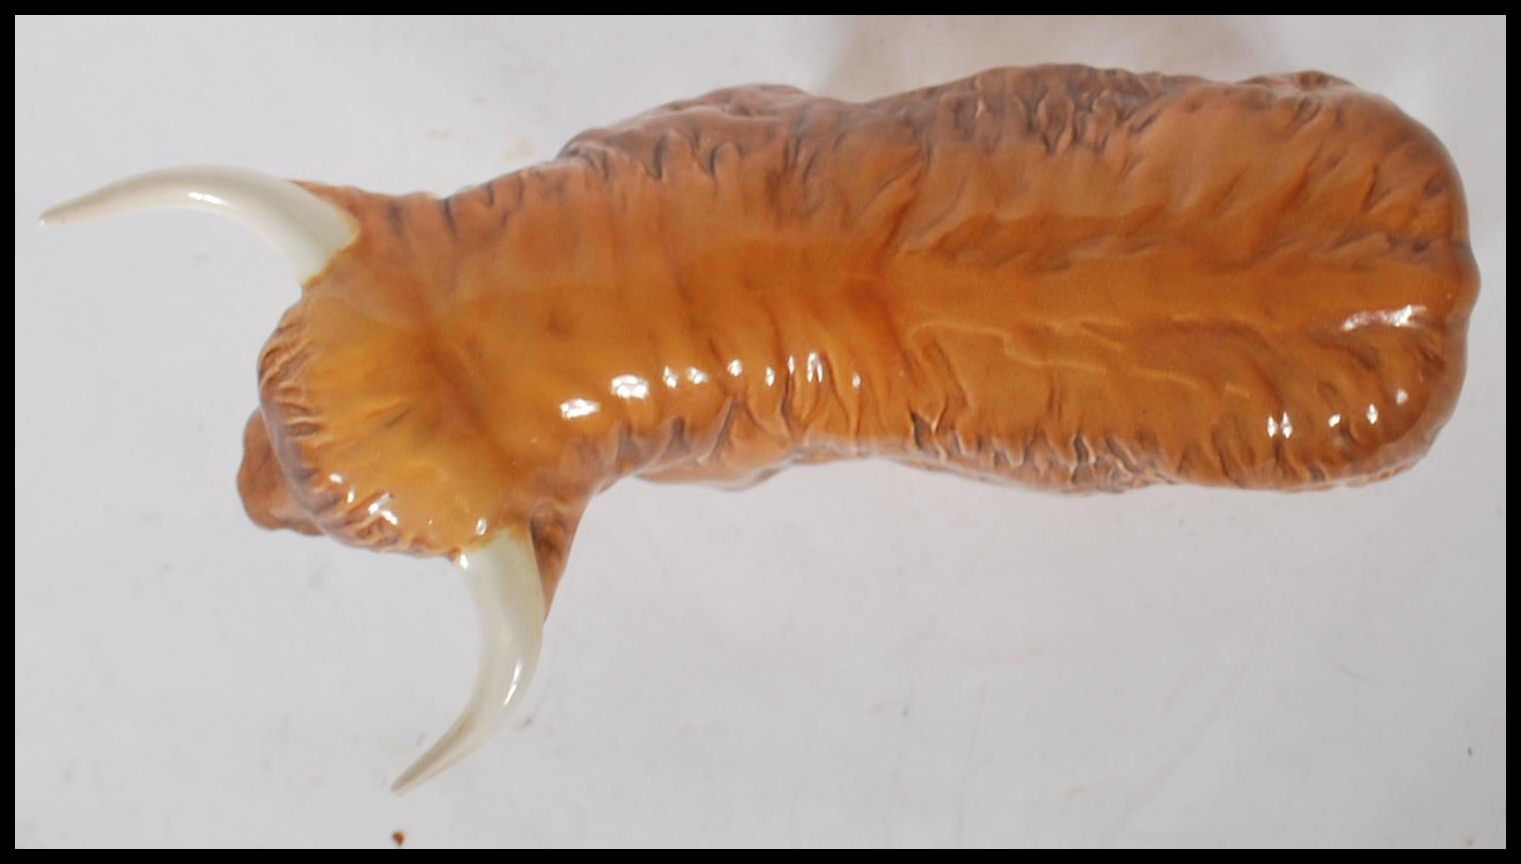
x: 852, y: 654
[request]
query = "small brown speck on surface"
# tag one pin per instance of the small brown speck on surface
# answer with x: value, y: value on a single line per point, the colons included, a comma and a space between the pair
x: 399, y: 837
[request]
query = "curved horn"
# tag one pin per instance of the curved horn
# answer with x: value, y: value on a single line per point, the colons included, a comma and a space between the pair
x: 504, y: 581
x: 307, y: 229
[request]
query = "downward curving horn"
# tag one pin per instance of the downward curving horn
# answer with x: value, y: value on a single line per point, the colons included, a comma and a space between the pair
x: 307, y: 229
x: 504, y: 582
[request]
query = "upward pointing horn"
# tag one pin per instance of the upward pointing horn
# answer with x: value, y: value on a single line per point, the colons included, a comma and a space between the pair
x: 308, y: 230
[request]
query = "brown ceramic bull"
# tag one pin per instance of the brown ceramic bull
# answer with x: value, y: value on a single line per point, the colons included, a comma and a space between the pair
x: 1061, y: 277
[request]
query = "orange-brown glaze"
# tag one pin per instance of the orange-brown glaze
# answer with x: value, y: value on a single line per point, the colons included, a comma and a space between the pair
x: 1062, y: 277
x: 266, y: 496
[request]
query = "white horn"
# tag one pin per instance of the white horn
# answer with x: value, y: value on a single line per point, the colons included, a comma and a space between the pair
x: 504, y: 581
x: 307, y: 229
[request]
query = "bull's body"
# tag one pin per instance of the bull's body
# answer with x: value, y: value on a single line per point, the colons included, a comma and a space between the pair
x: 1061, y: 277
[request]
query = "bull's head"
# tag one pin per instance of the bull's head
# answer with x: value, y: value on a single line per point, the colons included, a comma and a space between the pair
x: 362, y: 433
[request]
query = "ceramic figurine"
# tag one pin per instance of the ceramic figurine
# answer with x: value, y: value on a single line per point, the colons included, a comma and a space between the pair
x: 1060, y: 277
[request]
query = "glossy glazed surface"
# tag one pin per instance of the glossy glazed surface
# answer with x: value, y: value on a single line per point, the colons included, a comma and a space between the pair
x: 1061, y: 277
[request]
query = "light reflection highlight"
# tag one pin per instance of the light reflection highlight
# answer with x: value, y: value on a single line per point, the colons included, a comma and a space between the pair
x: 1401, y: 317
x: 1280, y: 424
x: 630, y: 387
x: 378, y: 508
x: 570, y: 409
x: 815, y: 367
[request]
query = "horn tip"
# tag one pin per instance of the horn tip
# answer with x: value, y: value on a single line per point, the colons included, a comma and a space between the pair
x: 409, y: 780
x: 53, y: 216
x: 74, y: 210
x: 453, y: 747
